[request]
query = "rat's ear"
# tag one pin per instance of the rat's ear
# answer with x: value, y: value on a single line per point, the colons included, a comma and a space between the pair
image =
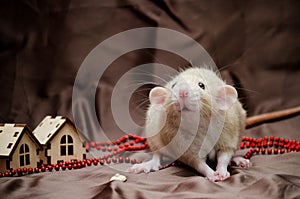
x: 226, y: 97
x: 158, y: 95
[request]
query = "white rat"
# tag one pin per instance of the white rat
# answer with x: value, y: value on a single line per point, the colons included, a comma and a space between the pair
x: 195, y: 116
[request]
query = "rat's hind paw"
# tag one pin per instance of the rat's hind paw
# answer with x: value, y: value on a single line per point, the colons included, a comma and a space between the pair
x: 145, y: 167
x: 241, y: 162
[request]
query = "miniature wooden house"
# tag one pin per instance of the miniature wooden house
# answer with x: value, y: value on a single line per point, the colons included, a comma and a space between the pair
x: 60, y: 140
x: 18, y: 148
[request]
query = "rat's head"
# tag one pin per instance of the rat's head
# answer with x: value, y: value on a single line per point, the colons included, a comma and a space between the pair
x: 194, y: 90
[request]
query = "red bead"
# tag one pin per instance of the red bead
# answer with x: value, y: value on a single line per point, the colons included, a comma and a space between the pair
x: 272, y: 138
x: 281, y: 144
x: 275, y: 151
x: 79, y: 165
x: 247, y: 144
x: 276, y: 144
x: 269, y: 151
x: 131, y: 142
x: 118, y: 141
x: 30, y: 170
x: 276, y: 139
x: 74, y: 166
x: 266, y: 138
x: 116, y: 148
x: 56, y: 167
x: 286, y: 141
x: 127, y: 159
x: 66, y: 162
x: 24, y: 170
x: 43, y: 169
x: 253, y: 144
x: 259, y: 144
x: 36, y: 170
x: 287, y: 145
x: 121, y: 159
x: 137, y: 140
x: 109, y: 149
x: 95, y: 162
x: 7, y: 174
x: 114, y: 160
x: 107, y: 143
x: 101, y: 162
x: 13, y: 172
x: 93, y: 144
x: 50, y: 167
x: 98, y: 147
x: 281, y: 139
x: 63, y: 167
x: 270, y: 144
x: 288, y: 151
x: 70, y: 166
x: 242, y: 145
x: 282, y: 151
x: 19, y: 171
x: 121, y: 146
x: 108, y: 161
x: 87, y: 146
x: 103, y: 149
x: 265, y: 144
x: 133, y: 161
x: 89, y: 163
x: 123, y: 138
x: 263, y: 150
x: 257, y: 150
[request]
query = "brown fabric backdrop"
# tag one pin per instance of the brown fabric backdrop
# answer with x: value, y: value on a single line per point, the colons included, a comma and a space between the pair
x: 255, y: 43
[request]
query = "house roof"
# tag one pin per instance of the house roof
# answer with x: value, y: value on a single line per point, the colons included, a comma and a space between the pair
x: 48, y: 127
x: 10, y: 135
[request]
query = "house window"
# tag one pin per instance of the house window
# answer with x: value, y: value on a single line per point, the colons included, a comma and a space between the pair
x: 66, y: 145
x: 24, y: 155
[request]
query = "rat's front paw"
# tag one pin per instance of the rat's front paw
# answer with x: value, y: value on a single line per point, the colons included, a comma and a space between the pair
x: 241, y: 162
x: 145, y: 167
x: 222, y: 174
x: 213, y: 177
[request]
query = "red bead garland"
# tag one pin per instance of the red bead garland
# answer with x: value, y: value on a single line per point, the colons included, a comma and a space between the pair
x: 130, y: 142
x: 268, y: 144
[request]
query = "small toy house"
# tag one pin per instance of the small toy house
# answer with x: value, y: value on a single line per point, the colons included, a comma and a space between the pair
x: 60, y: 140
x: 18, y: 147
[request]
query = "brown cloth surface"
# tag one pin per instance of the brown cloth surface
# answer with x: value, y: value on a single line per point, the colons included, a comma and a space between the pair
x: 255, y: 43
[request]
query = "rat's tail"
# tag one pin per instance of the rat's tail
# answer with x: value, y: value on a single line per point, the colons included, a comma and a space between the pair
x: 272, y: 117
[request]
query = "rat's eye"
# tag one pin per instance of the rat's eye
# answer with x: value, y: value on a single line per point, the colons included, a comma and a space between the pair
x: 173, y: 85
x: 201, y: 85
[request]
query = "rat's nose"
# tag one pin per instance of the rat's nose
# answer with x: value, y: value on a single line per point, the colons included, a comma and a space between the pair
x: 183, y: 93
